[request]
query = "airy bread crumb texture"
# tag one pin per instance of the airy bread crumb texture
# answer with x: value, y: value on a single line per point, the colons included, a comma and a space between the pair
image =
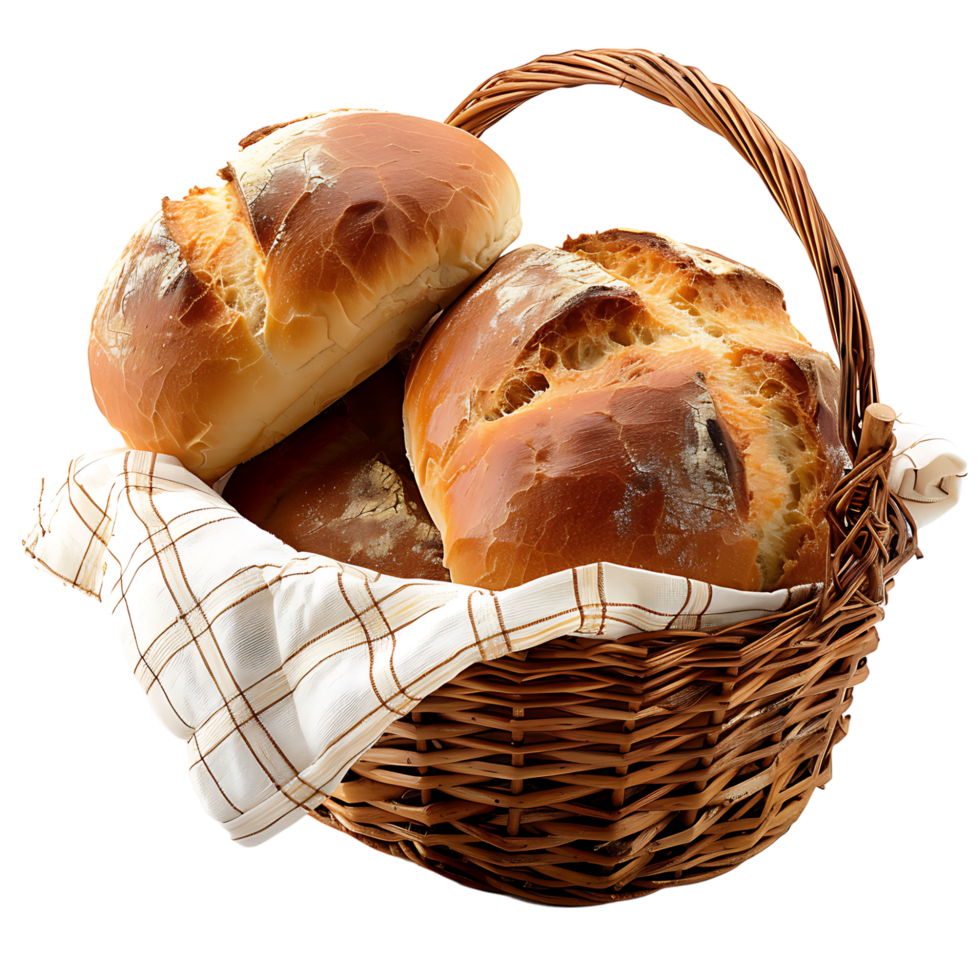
x: 698, y: 298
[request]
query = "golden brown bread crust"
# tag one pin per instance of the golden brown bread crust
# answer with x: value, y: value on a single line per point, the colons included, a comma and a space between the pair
x: 238, y: 313
x: 628, y: 399
x: 341, y: 486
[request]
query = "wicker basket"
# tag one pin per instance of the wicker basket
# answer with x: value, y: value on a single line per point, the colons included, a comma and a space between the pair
x: 589, y: 771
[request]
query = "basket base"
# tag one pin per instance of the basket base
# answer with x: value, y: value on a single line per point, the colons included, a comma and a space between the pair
x: 680, y: 865
x: 644, y: 776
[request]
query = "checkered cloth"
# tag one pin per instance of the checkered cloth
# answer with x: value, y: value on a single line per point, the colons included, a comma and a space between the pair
x: 280, y: 668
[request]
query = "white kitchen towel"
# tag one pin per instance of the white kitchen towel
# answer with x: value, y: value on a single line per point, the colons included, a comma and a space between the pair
x: 281, y: 668
x: 926, y: 472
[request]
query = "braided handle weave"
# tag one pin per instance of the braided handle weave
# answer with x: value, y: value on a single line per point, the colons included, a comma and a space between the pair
x: 715, y: 107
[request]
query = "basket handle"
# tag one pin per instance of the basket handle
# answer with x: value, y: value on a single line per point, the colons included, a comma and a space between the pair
x: 715, y: 107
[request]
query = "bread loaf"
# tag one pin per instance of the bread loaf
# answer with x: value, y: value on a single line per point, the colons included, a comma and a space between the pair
x: 239, y: 312
x: 341, y: 486
x: 628, y: 399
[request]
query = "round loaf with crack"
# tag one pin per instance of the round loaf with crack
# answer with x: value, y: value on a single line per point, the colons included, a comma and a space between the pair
x: 628, y: 399
x: 239, y: 312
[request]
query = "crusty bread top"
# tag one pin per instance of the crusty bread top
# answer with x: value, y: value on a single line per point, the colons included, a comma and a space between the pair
x: 238, y: 313
x: 620, y: 401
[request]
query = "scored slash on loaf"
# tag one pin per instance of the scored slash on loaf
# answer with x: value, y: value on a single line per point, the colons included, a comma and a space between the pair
x: 630, y: 399
x: 239, y: 312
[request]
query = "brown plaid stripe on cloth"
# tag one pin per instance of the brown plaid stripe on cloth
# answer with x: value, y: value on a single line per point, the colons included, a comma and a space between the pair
x: 280, y: 668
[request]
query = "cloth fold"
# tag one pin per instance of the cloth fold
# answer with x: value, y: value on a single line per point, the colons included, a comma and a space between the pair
x: 280, y: 668
x: 926, y: 472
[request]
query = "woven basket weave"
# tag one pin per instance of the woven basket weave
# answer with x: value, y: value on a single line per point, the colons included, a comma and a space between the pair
x: 589, y: 771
